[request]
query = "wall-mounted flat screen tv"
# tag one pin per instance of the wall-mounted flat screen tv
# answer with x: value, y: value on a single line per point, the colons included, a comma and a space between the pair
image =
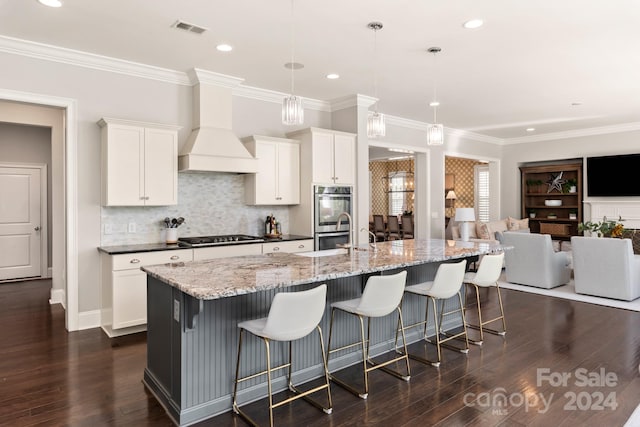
x: 613, y: 176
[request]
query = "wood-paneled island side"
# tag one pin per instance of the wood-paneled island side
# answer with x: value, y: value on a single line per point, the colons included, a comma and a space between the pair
x: 193, y: 309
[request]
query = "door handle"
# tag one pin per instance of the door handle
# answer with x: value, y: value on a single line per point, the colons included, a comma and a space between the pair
x: 37, y: 228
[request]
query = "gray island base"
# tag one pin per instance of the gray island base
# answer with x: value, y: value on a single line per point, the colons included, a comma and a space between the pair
x: 194, y: 308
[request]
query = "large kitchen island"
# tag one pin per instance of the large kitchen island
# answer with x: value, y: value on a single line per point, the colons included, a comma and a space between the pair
x: 194, y: 308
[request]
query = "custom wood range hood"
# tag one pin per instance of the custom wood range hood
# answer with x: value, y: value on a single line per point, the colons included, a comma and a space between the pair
x: 212, y: 145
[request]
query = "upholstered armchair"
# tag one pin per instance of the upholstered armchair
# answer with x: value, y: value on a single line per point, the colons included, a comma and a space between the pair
x: 606, y: 267
x: 532, y: 261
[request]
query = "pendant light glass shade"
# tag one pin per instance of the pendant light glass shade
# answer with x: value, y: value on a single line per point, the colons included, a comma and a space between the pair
x: 292, y: 110
x: 375, y: 121
x: 435, y: 131
x: 435, y: 134
x: 375, y: 125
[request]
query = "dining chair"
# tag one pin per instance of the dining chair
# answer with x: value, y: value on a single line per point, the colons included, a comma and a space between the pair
x: 407, y: 226
x: 393, y: 228
x: 379, y: 228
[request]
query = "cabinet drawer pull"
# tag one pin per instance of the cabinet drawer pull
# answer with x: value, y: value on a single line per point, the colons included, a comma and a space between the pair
x: 175, y: 257
x: 300, y: 246
x: 276, y: 249
x: 135, y: 261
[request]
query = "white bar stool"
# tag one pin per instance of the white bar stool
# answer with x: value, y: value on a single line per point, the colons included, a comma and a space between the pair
x: 381, y: 296
x: 446, y: 284
x: 487, y: 276
x: 293, y: 315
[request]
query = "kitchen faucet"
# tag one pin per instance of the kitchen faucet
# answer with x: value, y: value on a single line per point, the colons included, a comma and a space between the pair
x: 349, y: 244
x: 373, y: 245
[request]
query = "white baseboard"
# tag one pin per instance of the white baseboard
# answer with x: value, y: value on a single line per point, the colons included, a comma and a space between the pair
x: 89, y: 319
x: 57, y: 297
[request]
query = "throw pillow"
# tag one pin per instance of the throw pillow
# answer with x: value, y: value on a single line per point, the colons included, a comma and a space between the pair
x: 517, y: 224
x: 483, y: 231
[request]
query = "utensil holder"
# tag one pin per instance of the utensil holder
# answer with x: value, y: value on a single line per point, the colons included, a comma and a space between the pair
x: 172, y: 235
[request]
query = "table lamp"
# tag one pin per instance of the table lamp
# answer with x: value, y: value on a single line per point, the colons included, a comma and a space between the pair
x: 451, y: 197
x: 464, y: 216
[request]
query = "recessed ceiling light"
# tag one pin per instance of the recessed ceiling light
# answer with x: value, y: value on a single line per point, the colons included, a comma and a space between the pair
x: 333, y: 76
x: 434, y: 104
x: 51, y: 3
x: 575, y: 104
x: 473, y: 23
x: 530, y: 129
x: 224, y: 47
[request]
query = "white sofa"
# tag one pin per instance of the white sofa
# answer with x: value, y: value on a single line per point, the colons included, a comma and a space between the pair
x: 606, y: 267
x: 532, y: 261
x: 487, y: 231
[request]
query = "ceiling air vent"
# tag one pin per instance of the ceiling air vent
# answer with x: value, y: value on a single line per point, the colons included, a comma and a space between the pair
x: 181, y: 25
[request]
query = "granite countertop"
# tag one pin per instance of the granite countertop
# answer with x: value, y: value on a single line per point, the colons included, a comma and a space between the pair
x: 226, y: 277
x: 153, y: 247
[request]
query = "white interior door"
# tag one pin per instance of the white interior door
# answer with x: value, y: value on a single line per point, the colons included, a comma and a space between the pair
x: 20, y: 227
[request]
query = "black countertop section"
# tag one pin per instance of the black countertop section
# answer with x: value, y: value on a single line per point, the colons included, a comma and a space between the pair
x: 153, y: 247
x: 286, y: 238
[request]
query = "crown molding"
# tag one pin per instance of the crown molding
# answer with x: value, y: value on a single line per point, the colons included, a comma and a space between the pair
x: 268, y: 95
x: 449, y: 132
x: 349, y: 101
x: 90, y: 60
x: 578, y: 133
x: 198, y: 75
x: 474, y: 136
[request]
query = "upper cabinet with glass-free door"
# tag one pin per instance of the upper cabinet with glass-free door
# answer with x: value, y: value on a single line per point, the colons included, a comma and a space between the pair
x: 330, y: 154
x: 139, y: 163
x: 277, y: 181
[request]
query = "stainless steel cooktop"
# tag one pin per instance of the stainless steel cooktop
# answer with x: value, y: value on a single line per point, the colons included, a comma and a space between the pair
x: 218, y: 240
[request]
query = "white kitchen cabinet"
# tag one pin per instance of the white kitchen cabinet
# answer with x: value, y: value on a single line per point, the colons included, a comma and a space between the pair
x: 124, y: 288
x: 331, y: 155
x: 291, y: 246
x: 212, y: 252
x: 139, y: 163
x: 277, y: 181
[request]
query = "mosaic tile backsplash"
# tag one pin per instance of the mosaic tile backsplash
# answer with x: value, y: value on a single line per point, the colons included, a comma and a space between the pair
x: 211, y: 204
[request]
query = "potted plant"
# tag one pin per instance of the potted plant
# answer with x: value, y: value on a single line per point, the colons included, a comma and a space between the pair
x: 532, y: 213
x: 552, y: 215
x: 606, y: 228
x: 571, y: 186
x: 573, y: 214
x: 533, y: 185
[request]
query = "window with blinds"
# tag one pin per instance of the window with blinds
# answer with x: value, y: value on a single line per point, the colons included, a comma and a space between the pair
x: 481, y: 173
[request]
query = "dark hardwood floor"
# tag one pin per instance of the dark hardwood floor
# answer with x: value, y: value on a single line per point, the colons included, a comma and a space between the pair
x: 54, y: 378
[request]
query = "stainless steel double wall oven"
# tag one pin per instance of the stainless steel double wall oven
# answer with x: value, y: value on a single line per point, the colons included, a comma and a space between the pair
x: 329, y: 203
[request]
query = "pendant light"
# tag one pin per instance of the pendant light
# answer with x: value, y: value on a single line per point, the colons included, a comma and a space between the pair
x: 375, y: 121
x: 292, y: 108
x: 435, y: 131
